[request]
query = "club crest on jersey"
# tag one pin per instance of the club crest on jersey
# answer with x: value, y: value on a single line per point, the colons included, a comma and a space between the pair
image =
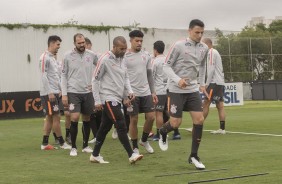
x: 71, y: 107
x: 188, y: 44
x: 114, y: 103
x: 55, y: 108
x: 173, y: 109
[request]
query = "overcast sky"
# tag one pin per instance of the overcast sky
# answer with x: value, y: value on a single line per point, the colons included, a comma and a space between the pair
x: 223, y: 14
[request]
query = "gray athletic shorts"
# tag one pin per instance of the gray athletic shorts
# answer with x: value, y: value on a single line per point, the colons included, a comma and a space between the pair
x: 50, y: 108
x: 162, y: 102
x: 141, y: 104
x: 215, y: 92
x: 179, y: 102
x: 83, y: 103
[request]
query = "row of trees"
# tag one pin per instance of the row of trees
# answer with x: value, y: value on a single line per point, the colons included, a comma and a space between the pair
x: 253, y: 54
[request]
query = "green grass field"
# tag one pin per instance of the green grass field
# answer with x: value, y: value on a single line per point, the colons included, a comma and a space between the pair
x: 22, y: 161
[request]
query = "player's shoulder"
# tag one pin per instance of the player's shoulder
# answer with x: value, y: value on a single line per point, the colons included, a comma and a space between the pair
x: 203, y: 45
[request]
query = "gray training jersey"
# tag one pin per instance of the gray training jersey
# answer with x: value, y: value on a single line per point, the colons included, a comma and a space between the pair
x: 214, y: 68
x: 110, y: 79
x: 160, y: 78
x: 49, y: 70
x: 137, y: 65
x: 186, y: 59
x: 77, y: 70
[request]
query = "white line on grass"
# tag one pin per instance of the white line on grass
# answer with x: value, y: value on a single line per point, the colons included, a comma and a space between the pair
x: 244, y: 133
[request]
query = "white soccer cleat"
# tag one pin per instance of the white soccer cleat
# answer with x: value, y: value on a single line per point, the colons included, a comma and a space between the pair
x: 47, y: 147
x: 73, y: 152
x: 136, y: 150
x: 99, y: 159
x: 87, y: 149
x: 196, y: 161
x: 65, y: 146
x: 114, y: 134
x: 92, y: 141
x: 147, y: 146
x: 219, y: 131
x: 163, y: 145
x: 135, y: 157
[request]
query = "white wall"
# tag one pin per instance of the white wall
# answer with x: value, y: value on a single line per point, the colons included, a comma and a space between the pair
x: 17, y: 74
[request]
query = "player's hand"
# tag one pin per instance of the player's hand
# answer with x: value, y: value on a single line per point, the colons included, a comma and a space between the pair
x: 131, y: 97
x: 65, y: 100
x: 127, y: 102
x: 183, y: 83
x: 155, y: 98
x: 203, y: 90
x: 98, y: 107
x: 51, y: 97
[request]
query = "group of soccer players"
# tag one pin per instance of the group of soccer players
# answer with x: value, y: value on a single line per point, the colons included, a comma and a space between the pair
x: 161, y: 87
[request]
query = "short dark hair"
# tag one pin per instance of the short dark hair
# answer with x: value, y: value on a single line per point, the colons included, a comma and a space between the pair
x: 77, y: 35
x: 87, y: 41
x: 118, y: 39
x: 159, y: 46
x: 53, y: 38
x: 136, y: 33
x: 196, y: 22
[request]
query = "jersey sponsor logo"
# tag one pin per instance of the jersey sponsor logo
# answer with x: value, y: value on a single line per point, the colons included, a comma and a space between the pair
x: 71, y: 107
x: 173, y: 109
x: 188, y: 44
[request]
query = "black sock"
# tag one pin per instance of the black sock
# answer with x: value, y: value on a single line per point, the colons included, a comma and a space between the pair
x: 144, y: 137
x: 67, y: 132
x: 196, y: 139
x: 222, y: 125
x: 158, y: 132
x: 45, y: 140
x: 85, y: 133
x: 55, y: 136
x: 134, y: 143
x: 165, y: 129
x: 73, y: 132
x: 176, y: 131
x: 61, y: 140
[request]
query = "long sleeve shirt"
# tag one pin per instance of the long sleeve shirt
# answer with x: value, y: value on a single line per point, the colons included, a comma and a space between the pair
x: 77, y: 70
x: 160, y: 78
x: 110, y: 79
x: 138, y: 65
x: 214, y: 68
x: 49, y: 70
x: 186, y: 59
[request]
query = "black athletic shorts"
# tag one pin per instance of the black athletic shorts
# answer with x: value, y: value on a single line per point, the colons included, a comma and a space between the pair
x: 215, y: 92
x: 162, y: 101
x: 179, y: 102
x: 50, y: 108
x: 83, y: 103
x: 141, y: 104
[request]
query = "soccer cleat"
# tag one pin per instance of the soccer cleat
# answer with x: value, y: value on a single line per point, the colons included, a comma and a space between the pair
x: 196, y: 161
x: 68, y: 139
x: 219, y: 131
x: 114, y: 134
x: 65, y: 146
x: 163, y: 145
x: 99, y: 159
x: 134, y: 158
x: 87, y: 149
x: 156, y: 137
x: 92, y: 141
x: 47, y: 147
x: 136, y: 150
x: 176, y: 137
x: 73, y: 152
x: 147, y: 146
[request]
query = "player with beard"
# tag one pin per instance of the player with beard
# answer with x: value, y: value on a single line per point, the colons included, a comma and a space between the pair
x: 77, y: 69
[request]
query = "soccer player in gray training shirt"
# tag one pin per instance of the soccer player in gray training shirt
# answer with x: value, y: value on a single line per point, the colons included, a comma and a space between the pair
x: 185, y: 61
x: 215, y: 85
x: 139, y: 69
x: 78, y: 66
x: 110, y: 83
x: 49, y: 92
